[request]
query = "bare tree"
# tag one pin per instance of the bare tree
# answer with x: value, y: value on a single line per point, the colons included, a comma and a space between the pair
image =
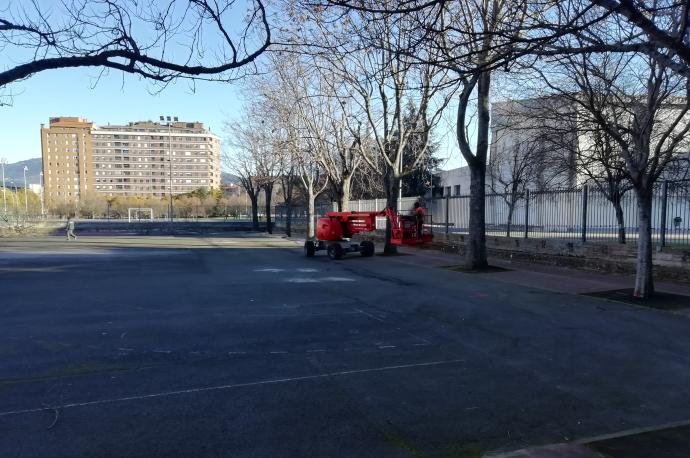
x: 471, y: 38
x: 598, y: 158
x: 269, y: 168
x: 156, y: 40
x: 381, y: 82
x: 665, y: 24
x: 569, y: 149
x: 288, y: 180
x: 640, y: 104
x: 345, y: 156
x: 246, y: 150
x: 327, y: 117
x: 511, y: 172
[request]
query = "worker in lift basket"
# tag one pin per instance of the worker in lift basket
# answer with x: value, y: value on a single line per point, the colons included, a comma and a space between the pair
x: 418, y: 212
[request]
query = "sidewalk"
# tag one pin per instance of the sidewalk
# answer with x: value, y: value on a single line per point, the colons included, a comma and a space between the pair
x: 543, y: 276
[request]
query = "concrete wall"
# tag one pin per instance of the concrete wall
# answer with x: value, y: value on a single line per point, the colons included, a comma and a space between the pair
x: 670, y: 263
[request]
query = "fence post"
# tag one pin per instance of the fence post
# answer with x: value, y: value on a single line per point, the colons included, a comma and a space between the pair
x: 664, y: 205
x: 526, y: 213
x: 584, y: 213
x: 447, y: 213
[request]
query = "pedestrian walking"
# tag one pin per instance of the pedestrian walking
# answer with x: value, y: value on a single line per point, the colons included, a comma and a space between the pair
x: 70, y: 229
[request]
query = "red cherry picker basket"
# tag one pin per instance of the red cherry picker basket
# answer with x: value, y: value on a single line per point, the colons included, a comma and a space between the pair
x: 334, y: 232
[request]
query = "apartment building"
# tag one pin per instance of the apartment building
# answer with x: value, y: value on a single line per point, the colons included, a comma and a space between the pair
x: 143, y: 159
x: 66, y: 152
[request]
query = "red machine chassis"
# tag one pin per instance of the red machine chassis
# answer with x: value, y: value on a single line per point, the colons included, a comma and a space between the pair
x: 335, y: 229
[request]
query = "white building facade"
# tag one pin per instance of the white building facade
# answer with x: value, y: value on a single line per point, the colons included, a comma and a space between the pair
x: 153, y: 159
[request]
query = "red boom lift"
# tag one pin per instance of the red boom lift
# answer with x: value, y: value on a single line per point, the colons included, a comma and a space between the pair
x: 335, y: 231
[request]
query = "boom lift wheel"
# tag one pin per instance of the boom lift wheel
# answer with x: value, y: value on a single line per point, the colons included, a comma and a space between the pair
x: 309, y: 248
x: 367, y: 248
x: 335, y: 251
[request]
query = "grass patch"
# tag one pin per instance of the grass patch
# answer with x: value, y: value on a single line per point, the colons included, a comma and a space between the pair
x: 400, y: 443
x: 465, y: 270
x: 79, y: 370
x: 669, y: 443
x: 661, y: 301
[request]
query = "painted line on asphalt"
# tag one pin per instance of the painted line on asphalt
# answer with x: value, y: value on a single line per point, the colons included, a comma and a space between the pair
x: 631, y: 432
x: 231, y: 386
x: 374, y: 317
x: 591, y: 439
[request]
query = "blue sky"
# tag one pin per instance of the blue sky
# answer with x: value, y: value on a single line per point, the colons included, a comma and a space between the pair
x: 119, y: 98
x: 115, y: 99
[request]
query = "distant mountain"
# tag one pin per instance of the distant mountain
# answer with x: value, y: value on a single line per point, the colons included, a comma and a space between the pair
x: 228, y: 178
x: 15, y: 172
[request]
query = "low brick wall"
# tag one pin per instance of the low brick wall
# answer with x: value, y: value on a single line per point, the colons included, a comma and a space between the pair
x: 180, y: 227
x: 671, y: 263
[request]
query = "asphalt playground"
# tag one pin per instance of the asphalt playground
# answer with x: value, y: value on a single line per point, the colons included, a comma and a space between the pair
x: 238, y: 346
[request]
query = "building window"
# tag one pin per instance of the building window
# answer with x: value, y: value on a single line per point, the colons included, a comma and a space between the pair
x: 456, y: 189
x: 447, y: 191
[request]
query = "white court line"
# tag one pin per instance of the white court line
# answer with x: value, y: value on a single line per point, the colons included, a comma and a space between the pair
x: 231, y: 386
x: 370, y: 315
x: 588, y: 440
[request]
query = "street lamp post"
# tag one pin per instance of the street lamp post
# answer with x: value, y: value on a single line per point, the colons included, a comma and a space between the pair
x: 4, y: 193
x: 26, y: 194
x: 169, y: 124
x: 43, y: 211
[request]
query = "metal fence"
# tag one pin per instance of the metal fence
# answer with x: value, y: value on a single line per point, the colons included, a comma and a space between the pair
x: 299, y: 213
x: 582, y: 214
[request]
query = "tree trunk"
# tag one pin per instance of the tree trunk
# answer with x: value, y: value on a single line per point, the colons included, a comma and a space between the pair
x: 475, y: 247
x: 392, y: 184
x: 288, y: 218
x: 268, y: 190
x: 287, y: 183
x: 344, y: 196
x: 311, y: 203
x: 254, y: 199
x: 619, y: 219
x: 511, y: 209
x: 644, y: 282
